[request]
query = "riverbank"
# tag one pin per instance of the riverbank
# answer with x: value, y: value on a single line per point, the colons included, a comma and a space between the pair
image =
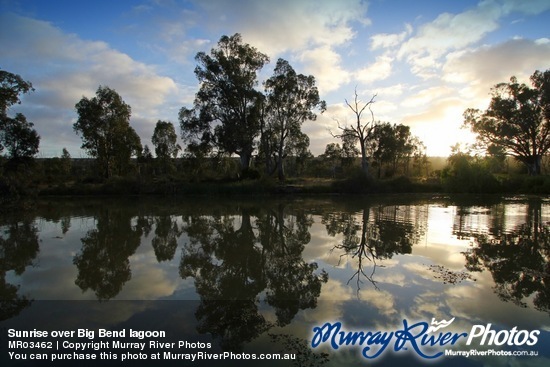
x: 357, y: 184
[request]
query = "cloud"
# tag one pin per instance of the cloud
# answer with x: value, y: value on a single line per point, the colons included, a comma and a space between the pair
x: 391, y: 91
x: 526, y: 7
x: 389, y: 40
x: 451, y: 32
x: 427, y: 96
x: 379, y: 70
x: 63, y: 68
x: 447, y: 32
x: 440, y: 126
x: 382, y: 300
x: 477, y: 68
x: 287, y: 25
x: 325, y: 64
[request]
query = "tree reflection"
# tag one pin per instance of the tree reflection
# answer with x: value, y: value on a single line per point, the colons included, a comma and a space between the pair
x: 367, y: 240
x: 166, y: 237
x: 292, y: 284
x: 519, y: 261
x: 103, y: 264
x: 18, y: 248
x: 237, y: 259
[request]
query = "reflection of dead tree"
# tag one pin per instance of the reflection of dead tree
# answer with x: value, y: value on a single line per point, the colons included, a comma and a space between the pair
x: 363, y: 248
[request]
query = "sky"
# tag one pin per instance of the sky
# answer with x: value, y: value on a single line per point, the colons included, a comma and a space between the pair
x: 426, y: 61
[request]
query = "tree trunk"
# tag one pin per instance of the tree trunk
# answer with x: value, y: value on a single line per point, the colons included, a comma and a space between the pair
x: 280, y: 169
x: 280, y: 166
x: 245, y: 161
x: 364, y: 161
x: 533, y: 164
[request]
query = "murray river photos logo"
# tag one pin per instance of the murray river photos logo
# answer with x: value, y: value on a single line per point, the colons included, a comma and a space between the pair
x: 428, y: 341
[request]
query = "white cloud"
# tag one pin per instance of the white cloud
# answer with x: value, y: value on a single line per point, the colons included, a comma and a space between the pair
x: 527, y: 7
x: 452, y: 32
x: 440, y: 125
x: 288, y: 25
x: 427, y: 96
x: 389, y: 40
x: 391, y: 91
x: 63, y: 68
x: 447, y: 32
x: 381, y: 69
x: 481, y: 68
x: 325, y: 64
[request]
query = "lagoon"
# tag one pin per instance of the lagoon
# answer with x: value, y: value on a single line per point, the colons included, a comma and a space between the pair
x: 259, y: 274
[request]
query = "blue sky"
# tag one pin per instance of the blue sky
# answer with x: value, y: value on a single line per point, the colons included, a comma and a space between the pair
x: 427, y: 61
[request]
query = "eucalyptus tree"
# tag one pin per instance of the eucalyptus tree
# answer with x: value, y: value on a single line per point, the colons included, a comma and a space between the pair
x: 225, y: 115
x: 104, y: 123
x: 517, y: 120
x: 291, y: 99
x: 392, y: 145
x: 17, y: 135
x: 165, y: 141
x: 11, y: 87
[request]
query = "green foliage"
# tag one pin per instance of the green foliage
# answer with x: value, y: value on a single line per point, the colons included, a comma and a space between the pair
x: 225, y: 116
x: 104, y: 123
x: 18, y: 137
x: 290, y: 100
x: 11, y: 87
x: 16, y: 134
x: 392, y: 146
x: 166, y: 146
x: 467, y: 174
x: 358, y: 183
x: 57, y: 169
x: 517, y: 120
x: 165, y: 140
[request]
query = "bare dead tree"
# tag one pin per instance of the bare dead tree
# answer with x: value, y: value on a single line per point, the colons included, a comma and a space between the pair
x: 360, y: 129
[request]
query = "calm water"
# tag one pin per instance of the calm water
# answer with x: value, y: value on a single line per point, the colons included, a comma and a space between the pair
x: 246, y: 274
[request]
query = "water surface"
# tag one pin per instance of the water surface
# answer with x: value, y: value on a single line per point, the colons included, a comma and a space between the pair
x: 256, y: 273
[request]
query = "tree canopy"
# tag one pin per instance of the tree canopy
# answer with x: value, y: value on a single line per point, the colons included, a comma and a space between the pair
x: 11, y: 87
x: 392, y: 145
x: 517, y: 120
x: 165, y: 140
x: 18, y: 137
x: 225, y: 113
x: 104, y: 123
x: 291, y: 99
x: 16, y: 134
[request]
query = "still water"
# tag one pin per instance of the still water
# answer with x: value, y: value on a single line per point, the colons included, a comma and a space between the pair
x: 247, y: 274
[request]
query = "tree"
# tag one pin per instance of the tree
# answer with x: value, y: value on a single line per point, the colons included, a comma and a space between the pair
x: 349, y: 150
x: 165, y: 140
x: 166, y: 146
x: 16, y: 134
x: 360, y: 130
x: 392, y: 145
x: 104, y: 123
x: 468, y: 174
x: 332, y: 157
x: 517, y: 120
x: 66, y: 162
x: 11, y: 87
x: 290, y: 100
x: 225, y: 115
